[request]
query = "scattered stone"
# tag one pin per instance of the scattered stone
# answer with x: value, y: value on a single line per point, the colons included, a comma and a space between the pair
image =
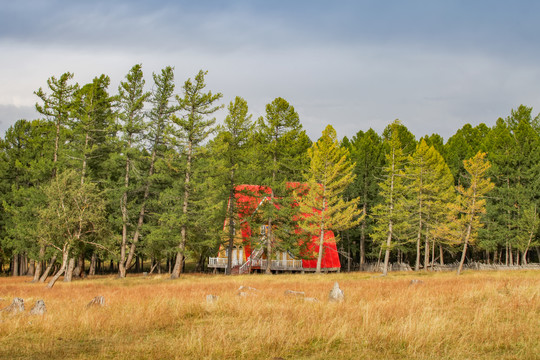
x: 244, y: 291
x: 243, y: 288
x: 39, y: 308
x: 336, y: 294
x: 145, y: 274
x: 295, y: 293
x: 210, y: 299
x: 97, y: 301
x: 415, y: 282
x: 16, y: 306
x: 310, y: 299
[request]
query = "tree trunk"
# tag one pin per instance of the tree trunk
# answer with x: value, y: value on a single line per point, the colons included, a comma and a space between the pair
x: 39, y: 264
x: 363, y: 237
x: 387, y: 250
x: 69, y: 271
x: 15, y: 266
x: 140, y: 222
x: 268, y: 269
x: 65, y: 255
x: 441, y: 252
x: 231, y: 209
x: 182, y: 246
x: 31, y: 268
x: 465, y: 243
x: 92, y: 270
x: 125, y: 219
x: 321, y: 232
x: 48, y: 269
x: 349, y: 252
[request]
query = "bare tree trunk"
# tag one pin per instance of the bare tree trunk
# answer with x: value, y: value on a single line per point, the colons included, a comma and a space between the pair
x: 363, y: 237
x: 92, y: 270
x: 465, y: 243
x: 31, y: 268
x: 231, y: 209
x: 432, y: 255
x: 69, y: 272
x: 15, y: 266
x: 65, y: 255
x: 321, y: 231
x: 48, y: 269
x: 182, y: 246
x: 39, y: 263
x: 441, y: 252
x: 349, y: 252
x: 387, y: 250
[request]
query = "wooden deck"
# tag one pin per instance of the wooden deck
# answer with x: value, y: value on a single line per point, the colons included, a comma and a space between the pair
x: 275, y: 265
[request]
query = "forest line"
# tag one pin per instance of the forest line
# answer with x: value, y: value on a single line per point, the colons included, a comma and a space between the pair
x: 120, y: 178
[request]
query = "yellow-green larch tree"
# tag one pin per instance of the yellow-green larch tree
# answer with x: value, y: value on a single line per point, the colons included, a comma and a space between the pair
x: 330, y: 173
x: 471, y: 203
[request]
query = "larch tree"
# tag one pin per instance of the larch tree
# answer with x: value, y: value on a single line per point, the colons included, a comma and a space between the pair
x: 195, y: 127
x: 131, y: 101
x: 57, y: 107
x: 471, y: 202
x: 234, y: 137
x: 431, y: 190
x: 283, y: 143
x: 159, y: 117
x: 391, y: 215
x: 323, y: 207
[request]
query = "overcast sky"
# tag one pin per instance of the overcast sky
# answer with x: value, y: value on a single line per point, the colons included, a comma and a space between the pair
x: 435, y: 65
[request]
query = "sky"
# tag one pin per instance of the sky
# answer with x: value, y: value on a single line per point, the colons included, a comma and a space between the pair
x: 435, y: 65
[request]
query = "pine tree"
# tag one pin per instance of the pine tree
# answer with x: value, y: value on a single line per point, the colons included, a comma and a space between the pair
x: 471, y: 203
x: 195, y: 128
x: 367, y: 152
x: 159, y: 124
x: 131, y: 100
x: 330, y: 173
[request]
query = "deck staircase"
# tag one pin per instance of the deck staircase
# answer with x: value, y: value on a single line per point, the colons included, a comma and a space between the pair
x: 253, y: 258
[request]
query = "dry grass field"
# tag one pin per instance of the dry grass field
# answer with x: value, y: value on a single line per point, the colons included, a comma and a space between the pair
x: 479, y: 315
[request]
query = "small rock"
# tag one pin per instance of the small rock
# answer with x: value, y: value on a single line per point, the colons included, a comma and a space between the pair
x: 311, y: 299
x: 336, y: 294
x: 39, y: 308
x: 415, y: 282
x: 210, y: 299
x: 242, y: 288
x: 16, y: 306
x: 145, y: 274
x: 97, y: 301
x: 295, y: 293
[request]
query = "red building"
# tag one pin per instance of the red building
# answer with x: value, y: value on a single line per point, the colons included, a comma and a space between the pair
x: 248, y: 251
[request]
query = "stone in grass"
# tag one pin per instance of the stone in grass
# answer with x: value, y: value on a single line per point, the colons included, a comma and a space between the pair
x: 245, y: 291
x: 336, y: 294
x: 39, y: 308
x: 415, y: 282
x: 16, y: 306
x: 210, y: 299
x: 295, y: 293
x: 311, y: 299
x: 97, y: 301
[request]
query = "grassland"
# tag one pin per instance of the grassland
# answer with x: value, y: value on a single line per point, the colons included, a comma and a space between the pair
x: 479, y: 315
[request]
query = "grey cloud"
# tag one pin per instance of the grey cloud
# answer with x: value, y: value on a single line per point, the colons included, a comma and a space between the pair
x: 9, y: 114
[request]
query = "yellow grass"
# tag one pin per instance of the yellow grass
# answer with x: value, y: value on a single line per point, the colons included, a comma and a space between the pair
x: 479, y: 315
